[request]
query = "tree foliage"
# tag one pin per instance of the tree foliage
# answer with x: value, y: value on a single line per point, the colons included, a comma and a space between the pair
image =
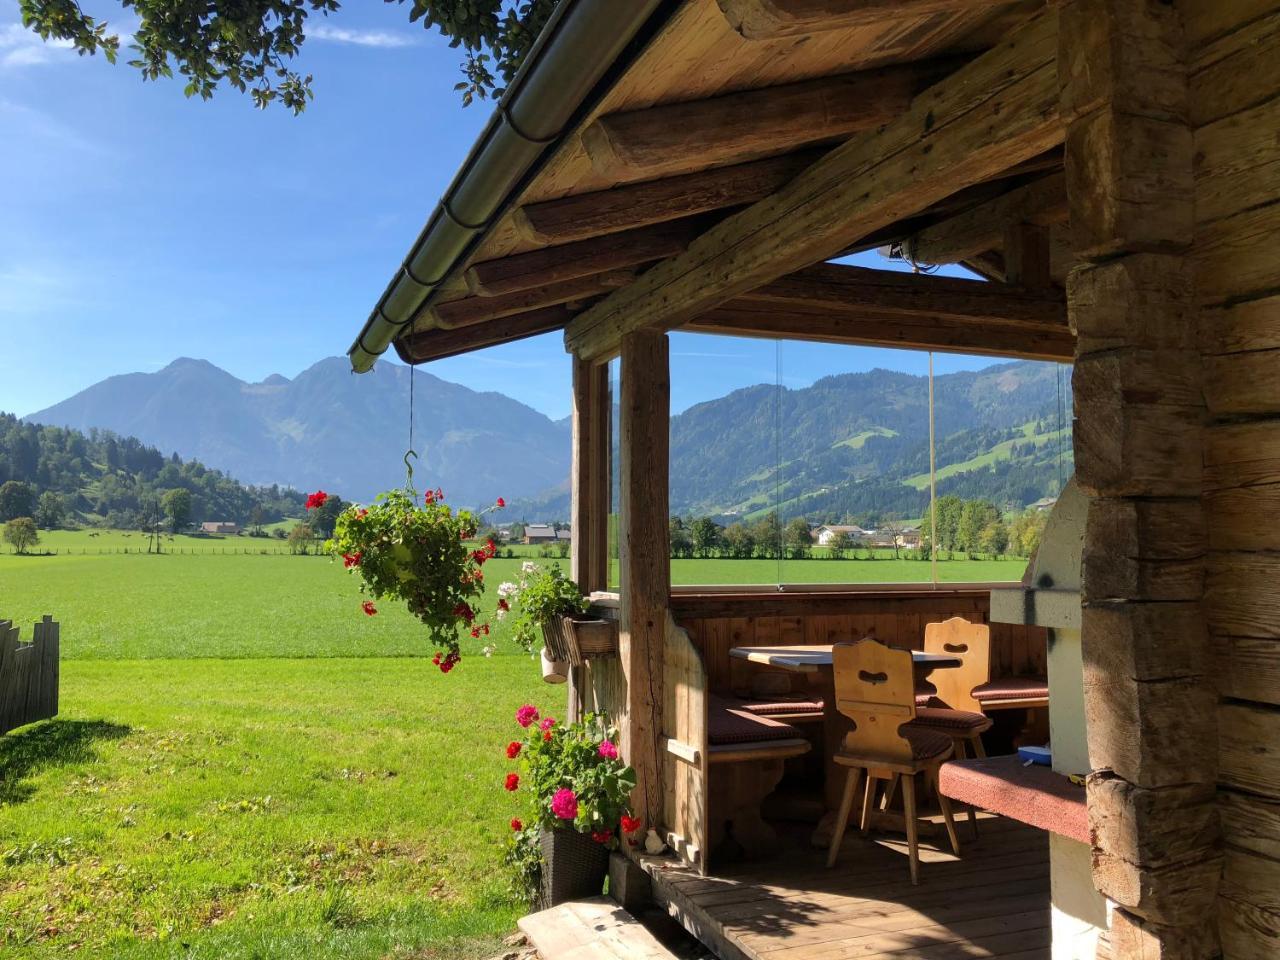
x: 249, y: 45
x: 17, y: 499
x: 21, y: 534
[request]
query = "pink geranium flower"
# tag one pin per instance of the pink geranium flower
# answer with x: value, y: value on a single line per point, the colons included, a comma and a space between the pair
x: 547, y: 723
x: 609, y: 750
x: 526, y: 715
x: 564, y: 804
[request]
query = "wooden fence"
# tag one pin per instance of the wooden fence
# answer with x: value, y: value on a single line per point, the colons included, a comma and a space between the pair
x: 28, y: 674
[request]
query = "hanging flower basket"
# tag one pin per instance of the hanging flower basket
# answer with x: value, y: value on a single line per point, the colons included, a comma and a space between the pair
x: 577, y: 637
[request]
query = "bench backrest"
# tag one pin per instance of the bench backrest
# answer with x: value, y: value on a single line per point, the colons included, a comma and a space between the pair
x: 971, y: 642
x: 875, y: 689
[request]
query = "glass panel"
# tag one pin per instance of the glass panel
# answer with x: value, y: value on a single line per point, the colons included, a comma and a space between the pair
x: 615, y: 475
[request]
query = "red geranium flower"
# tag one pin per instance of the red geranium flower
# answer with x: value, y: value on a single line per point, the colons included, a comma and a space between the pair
x: 513, y: 749
x: 546, y: 736
x: 516, y: 825
x: 513, y: 781
x: 439, y: 494
x: 368, y: 608
x: 428, y: 497
x: 350, y: 560
x: 630, y: 824
x: 526, y: 715
x: 503, y: 605
x: 501, y: 503
x: 602, y: 836
x: 547, y: 723
x: 317, y: 499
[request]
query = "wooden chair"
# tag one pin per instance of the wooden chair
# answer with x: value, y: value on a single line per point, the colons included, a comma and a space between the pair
x: 954, y: 710
x: 875, y: 689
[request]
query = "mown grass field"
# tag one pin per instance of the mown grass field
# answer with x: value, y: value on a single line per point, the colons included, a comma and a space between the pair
x: 246, y: 766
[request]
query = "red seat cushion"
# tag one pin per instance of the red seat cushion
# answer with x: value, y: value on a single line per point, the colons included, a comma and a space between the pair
x: 726, y: 723
x: 1013, y: 688
x: 950, y: 721
x: 926, y: 744
x: 770, y: 708
x: 925, y: 692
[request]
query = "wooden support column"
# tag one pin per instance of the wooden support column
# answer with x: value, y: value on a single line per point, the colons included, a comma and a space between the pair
x: 645, y: 554
x: 589, y: 560
x: 1149, y: 702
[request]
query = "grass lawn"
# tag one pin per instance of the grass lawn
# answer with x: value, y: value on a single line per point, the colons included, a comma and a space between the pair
x: 263, y: 809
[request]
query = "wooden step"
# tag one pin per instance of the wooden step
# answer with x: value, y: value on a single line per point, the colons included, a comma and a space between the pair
x: 595, y: 929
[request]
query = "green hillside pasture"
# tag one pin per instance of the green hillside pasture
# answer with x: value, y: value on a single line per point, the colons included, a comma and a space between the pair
x: 1045, y: 442
x: 239, y: 809
x: 884, y: 569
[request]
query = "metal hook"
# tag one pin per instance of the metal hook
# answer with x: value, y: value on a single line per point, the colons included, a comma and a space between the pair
x: 408, y: 469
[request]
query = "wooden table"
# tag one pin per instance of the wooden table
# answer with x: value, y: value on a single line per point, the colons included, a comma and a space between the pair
x: 814, y: 662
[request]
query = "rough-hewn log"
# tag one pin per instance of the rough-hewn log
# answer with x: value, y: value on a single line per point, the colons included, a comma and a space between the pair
x: 592, y: 423
x: 1133, y: 937
x: 1148, y: 549
x: 1027, y: 256
x: 1249, y: 748
x: 677, y: 137
x: 767, y: 19
x: 644, y: 552
x: 1142, y: 300
x: 1248, y: 668
x: 656, y: 201
x: 1241, y: 594
x: 1249, y: 911
x: 998, y: 110
x: 1148, y: 642
x: 471, y: 310
x: 437, y: 344
x: 887, y: 294
x: 746, y: 318
x: 569, y: 261
x: 1042, y: 202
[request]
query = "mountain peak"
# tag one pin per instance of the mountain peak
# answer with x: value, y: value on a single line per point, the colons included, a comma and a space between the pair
x: 275, y: 380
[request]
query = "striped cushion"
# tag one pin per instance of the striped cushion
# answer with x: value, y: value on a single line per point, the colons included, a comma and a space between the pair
x: 727, y: 724
x: 926, y: 744
x: 1013, y: 688
x: 771, y: 708
x: 925, y: 692
x: 950, y: 721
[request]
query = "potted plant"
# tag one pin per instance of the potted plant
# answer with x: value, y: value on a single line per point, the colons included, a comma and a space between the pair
x: 551, y: 606
x: 418, y: 553
x: 575, y: 788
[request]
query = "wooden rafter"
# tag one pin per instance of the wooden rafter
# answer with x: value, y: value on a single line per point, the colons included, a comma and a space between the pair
x: 767, y: 19
x: 438, y: 344
x: 674, y: 138
x: 569, y: 261
x: 461, y: 313
x: 1042, y: 202
x: 997, y: 111
x: 656, y: 201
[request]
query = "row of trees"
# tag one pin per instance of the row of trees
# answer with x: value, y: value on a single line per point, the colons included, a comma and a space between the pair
x: 53, y: 474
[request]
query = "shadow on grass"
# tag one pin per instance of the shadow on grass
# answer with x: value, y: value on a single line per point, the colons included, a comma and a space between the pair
x: 49, y: 744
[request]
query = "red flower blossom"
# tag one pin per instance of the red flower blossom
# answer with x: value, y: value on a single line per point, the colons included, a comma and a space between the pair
x: 526, y: 715
x: 602, y: 836
x: 513, y: 749
x: 439, y: 494
x: 428, y: 497
x: 503, y: 605
x: 512, y: 782
x: 368, y: 608
x: 547, y: 723
x: 564, y: 804
x: 350, y: 560
x: 437, y: 658
x: 362, y: 513
x: 630, y: 824
x: 475, y: 633
x: 516, y: 825
x: 546, y: 736
x: 317, y: 499
x: 446, y: 665
x: 501, y: 503
x: 464, y: 612
x: 608, y: 750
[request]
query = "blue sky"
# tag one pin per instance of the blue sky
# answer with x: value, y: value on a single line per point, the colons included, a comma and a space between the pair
x: 137, y: 226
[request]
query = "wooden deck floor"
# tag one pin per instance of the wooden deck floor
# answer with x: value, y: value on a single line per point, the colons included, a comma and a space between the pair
x: 992, y: 901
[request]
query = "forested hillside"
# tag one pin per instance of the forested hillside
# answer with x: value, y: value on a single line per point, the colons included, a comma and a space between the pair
x: 117, y: 481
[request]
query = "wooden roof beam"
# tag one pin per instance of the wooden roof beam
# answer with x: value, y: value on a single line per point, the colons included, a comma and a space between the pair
x: 583, y: 258
x: 768, y: 19
x: 656, y: 201
x: 676, y: 138
x: 438, y: 344
x: 854, y: 292
x: 461, y: 313
x: 996, y: 111
x: 1042, y: 203
x: 746, y: 318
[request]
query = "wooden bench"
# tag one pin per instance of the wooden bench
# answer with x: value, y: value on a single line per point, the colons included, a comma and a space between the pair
x: 1013, y: 693
x: 720, y: 761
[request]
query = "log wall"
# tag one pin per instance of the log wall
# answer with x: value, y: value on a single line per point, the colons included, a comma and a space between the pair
x: 1235, y: 111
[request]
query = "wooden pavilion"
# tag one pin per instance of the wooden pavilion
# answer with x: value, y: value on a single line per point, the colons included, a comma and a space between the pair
x: 1112, y: 167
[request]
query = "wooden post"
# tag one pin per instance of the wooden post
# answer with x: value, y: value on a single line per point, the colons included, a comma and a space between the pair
x: 1150, y: 706
x: 645, y: 554
x: 589, y: 563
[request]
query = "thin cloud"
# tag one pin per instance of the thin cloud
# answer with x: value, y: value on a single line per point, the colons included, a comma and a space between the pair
x: 19, y: 47
x: 361, y: 38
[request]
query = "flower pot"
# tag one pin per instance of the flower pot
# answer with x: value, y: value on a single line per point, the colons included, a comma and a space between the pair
x: 573, y: 866
x: 578, y: 637
x: 554, y: 671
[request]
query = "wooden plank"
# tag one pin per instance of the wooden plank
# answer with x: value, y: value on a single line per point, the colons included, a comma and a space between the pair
x: 1240, y: 594
x: 645, y: 556
x: 998, y: 110
x: 583, y: 258
x: 770, y: 19
x: 630, y: 206
x: 1247, y: 668
x: 593, y: 928
x: 421, y: 346
x: 1042, y: 202
x: 473, y: 310
x: 1237, y: 165
x: 1249, y: 748
x: 673, y: 138
x: 1250, y: 822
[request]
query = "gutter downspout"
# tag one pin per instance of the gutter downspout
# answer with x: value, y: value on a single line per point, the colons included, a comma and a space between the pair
x: 583, y: 44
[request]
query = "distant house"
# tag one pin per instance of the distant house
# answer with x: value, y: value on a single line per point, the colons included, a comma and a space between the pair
x: 222, y: 527
x: 909, y: 537
x: 826, y: 533
x: 1044, y: 503
x: 540, y: 533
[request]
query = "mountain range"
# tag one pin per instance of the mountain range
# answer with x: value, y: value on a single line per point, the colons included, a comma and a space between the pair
x: 848, y: 446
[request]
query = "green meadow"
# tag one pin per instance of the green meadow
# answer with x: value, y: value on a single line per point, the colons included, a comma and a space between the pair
x: 247, y: 766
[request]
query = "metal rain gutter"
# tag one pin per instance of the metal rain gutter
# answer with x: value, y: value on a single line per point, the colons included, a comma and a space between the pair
x: 555, y: 86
